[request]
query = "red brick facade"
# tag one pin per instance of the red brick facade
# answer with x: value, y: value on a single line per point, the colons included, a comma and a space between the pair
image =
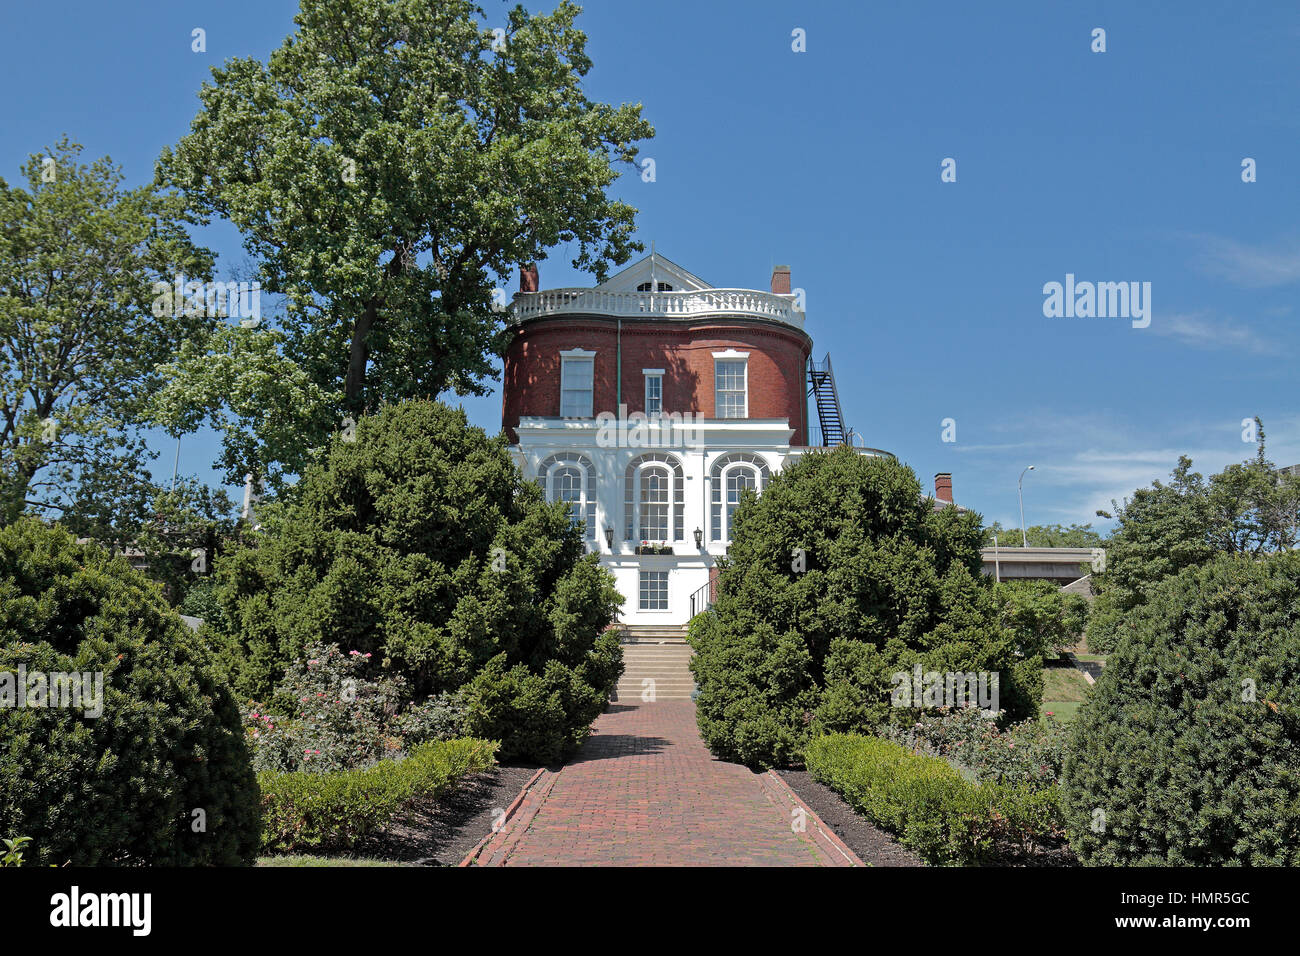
x: 778, y: 356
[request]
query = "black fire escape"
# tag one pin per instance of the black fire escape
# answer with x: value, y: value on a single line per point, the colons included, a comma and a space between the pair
x: 821, y: 386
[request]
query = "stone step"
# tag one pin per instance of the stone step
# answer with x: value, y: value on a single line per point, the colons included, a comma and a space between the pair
x: 653, y: 634
x: 676, y: 676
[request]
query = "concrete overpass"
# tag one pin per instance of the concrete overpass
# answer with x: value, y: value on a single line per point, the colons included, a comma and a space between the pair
x: 1061, y: 565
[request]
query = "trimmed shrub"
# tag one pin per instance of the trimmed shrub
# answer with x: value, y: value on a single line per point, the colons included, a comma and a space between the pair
x: 1187, y: 752
x: 838, y: 577
x: 421, y: 544
x: 337, y: 810
x: 926, y: 802
x: 123, y: 787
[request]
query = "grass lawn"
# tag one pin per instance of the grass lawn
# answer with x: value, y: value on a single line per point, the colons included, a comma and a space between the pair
x: 1064, y: 684
x: 1062, y: 710
x: 1064, y: 691
x: 303, y: 859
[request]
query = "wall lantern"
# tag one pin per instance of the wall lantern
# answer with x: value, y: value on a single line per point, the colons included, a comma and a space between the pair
x: 699, y: 538
x: 609, y: 538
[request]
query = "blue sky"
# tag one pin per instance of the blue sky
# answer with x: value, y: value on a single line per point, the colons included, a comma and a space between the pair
x: 1115, y: 166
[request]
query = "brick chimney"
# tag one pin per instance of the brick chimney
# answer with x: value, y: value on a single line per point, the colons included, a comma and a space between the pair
x: 943, y: 486
x: 528, y: 277
x: 781, y: 280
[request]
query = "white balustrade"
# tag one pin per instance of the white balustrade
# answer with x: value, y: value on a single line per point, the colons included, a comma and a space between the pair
x: 705, y: 302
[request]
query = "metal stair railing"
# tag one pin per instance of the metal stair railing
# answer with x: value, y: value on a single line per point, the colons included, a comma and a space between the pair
x: 821, y: 386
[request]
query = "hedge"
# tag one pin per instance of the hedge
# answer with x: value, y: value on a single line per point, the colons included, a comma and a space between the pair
x: 335, y: 811
x: 1188, y: 751
x: 926, y: 802
x: 157, y: 771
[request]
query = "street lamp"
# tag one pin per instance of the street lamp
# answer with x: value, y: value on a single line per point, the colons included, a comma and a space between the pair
x: 1020, y: 490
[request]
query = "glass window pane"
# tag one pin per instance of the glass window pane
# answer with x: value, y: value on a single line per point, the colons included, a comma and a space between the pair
x: 577, y: 375
x: 653, y: 591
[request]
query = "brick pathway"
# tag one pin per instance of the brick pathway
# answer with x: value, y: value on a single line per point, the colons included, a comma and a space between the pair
x: 644, y: 791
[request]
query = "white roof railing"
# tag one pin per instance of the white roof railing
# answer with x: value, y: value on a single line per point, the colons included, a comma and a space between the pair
x: 671, y: 305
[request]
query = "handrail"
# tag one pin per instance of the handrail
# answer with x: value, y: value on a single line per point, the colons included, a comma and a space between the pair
x: 766, y: 305
x: 702, y: 599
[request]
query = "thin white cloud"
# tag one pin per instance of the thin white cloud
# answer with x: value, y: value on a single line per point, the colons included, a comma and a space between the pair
x: 1253, y: 266
x: 1203, y: 331
x: 1008, y: 446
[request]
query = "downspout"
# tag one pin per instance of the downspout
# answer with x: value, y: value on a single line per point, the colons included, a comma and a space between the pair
x: 618, y: 372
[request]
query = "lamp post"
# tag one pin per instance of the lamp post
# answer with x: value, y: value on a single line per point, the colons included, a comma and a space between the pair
x: 997, y: 564
x: 1020, y: 490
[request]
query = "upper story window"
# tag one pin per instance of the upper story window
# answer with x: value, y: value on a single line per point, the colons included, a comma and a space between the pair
x: 654, y: 390
x: 577, y: 377
x: 731, y: 381
x: 662, y: 287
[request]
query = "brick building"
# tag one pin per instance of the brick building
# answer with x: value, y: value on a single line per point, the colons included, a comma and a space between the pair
x: 649, y: 403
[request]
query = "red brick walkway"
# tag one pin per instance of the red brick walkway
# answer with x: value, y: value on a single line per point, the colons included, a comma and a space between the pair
x: 644, y: 791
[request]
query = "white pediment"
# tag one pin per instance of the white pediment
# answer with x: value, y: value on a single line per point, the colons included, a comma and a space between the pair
x: 662, y: 270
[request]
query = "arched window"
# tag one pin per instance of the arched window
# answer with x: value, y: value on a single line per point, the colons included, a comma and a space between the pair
x: 661, y: 287
x: 654, y: 499
x: 730, y: 476
x: 571, y: 477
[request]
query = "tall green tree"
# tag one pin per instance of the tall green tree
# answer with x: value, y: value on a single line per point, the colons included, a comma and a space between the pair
x: 390, y: 160
x: 1044, y: 536
x: 1249, y: 509
x: 79, y: 338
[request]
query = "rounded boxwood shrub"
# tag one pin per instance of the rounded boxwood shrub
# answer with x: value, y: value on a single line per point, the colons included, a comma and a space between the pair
x: 838, y: 577
x: 419, y: 542
x: 1187, y: 752
x: 123, y: 786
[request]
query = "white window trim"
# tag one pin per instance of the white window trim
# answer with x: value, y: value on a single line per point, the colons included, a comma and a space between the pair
x: 727, y: 471
x: 640, y: 502
x: 668, y: 593
x: 732, y: 355
x: 650, y: 373
x: 565, y: 356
